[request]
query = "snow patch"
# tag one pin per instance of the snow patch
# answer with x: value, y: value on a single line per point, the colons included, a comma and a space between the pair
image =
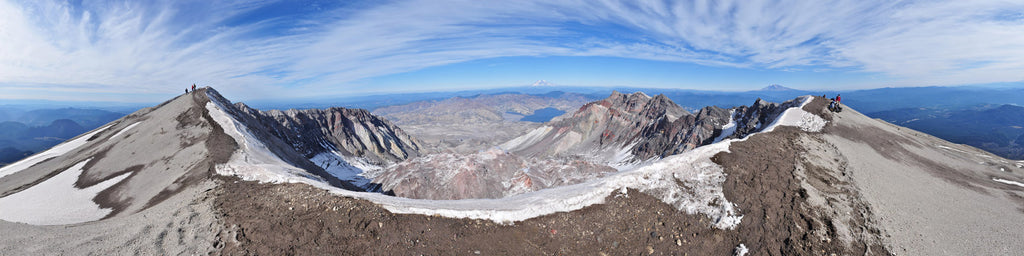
x: 810, y: 122
x: 337, y: 166
x: 252, y: 160
x: 949, y: 148
x: 729, y: 128
x: 56, y: 201
x: 124, y: 130
x: 796, y: 116
x: 55, y: 151
x: 1009, y: 182
x: 741, y: 250
x: 528, y: 139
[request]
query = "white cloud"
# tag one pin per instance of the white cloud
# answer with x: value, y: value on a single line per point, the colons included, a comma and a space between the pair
x: 138, y: 48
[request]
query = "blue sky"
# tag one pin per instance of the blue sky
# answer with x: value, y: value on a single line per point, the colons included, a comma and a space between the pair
x: 146, y: 51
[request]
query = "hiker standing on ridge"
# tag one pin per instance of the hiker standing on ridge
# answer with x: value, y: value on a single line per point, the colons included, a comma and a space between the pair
x: 839, y: 99
x: 193, y: 87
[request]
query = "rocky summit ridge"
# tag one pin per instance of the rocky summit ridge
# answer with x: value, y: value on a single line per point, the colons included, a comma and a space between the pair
x: 630, y: 128
x: 200, y: 175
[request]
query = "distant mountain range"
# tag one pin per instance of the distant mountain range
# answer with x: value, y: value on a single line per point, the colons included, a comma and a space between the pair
x: 24, y: 132
x: 487, y: 108
x: 928, y: 105
x: 998, y: 129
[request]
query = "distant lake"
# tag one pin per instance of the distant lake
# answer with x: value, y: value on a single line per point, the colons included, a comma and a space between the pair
x: 542, y: 115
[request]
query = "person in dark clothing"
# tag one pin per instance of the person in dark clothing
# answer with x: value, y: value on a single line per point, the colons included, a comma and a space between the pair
x: 193, y: 87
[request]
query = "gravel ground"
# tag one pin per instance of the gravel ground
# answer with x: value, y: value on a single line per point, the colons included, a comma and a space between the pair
x: 930, y: 196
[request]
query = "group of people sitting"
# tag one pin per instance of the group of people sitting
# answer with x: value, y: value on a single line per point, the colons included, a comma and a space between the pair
x: 834, y: 106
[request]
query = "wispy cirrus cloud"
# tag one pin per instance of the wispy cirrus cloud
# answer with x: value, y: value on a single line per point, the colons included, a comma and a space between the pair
x: 255, y: 48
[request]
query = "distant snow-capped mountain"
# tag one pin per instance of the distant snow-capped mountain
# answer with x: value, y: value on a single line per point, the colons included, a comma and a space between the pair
x: 542, y: 83
x: 776, y: 88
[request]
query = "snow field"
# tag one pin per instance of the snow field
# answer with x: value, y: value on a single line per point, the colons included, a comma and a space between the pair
x: 796, y: 116
x: 528, y: 139
x: 1008, y: 182
x: 55, y: 151
x: 56, y: 201
x: 729, y: 128
x: 124, y: 130
x: 338, y: 167
x: 252, y: 160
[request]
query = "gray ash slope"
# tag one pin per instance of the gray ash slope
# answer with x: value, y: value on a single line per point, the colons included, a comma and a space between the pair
x: 162, y: 150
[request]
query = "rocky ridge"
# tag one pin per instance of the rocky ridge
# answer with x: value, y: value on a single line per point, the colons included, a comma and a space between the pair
x: 624, y: 129
x: 352, y: 132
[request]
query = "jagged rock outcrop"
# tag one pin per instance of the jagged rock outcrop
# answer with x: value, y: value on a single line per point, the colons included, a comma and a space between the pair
x: 352, y: 132
x: 751, y: 119
x: 628, y: 128
x: 691, y: 131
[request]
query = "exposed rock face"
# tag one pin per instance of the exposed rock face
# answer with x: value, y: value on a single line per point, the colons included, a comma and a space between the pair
x: 487, y: 174
x: 635, y: 127
x: 668, y: 138
x: 606, y: 125
x: 353, y: 132
x: 336, y: 145
x: 751, y: 119
x: 622, y: 130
